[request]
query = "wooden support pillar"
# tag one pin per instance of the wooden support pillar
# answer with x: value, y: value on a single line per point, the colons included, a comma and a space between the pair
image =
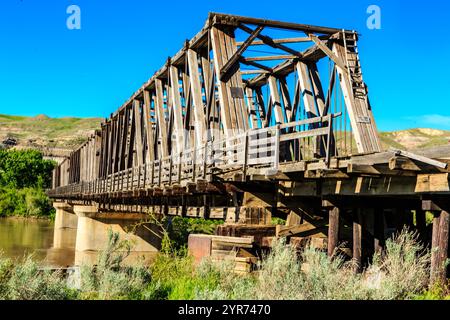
x: 357, y: 239
x: 443, y: 244
x: 434, y: 247
x: 379, y: 230
x: 333, y: 230
x: 439, y: 246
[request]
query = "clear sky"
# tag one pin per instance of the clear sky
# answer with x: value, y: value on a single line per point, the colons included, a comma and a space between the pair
x: 47, y: 68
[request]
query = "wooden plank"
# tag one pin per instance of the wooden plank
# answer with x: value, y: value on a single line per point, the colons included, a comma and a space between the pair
x: 403, y: 163
x: 285, y: 40
x: 304, y: 134
x: 225, y: 71
x: 269, y: 58
x: 139, y: 145
x: 434, y: 268
x: 444, y: 224
x: 276, y: 101
x: 160, y: 117
x: 333, y: 230
x: 364, y: 132
x: 420, y: 158
x: 227, y: 124
x: 285, y: 231
x: 148, y: 126
x: 177, y: 111
x: 328, y: 52
x: 357, y: 239
x: 196, y: 89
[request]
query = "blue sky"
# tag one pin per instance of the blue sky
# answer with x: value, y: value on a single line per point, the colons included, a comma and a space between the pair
x: 47, y: 68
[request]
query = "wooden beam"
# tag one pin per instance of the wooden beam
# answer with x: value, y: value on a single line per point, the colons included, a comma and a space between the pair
x: 357, y: 239
x: 196, y: 88
x: 138, y: 137
x: 160, y: 118
x: 251, y: 108
x: 420, y: 158
x: 403, y: 163
x: 225, y: 71
x: 224, y: 96
x: 269, y: 41
x: 333, y: 230
x: 285, y: 40
x: 328, y: 52
x: 358, y: 109
x: 274, y: 94
x: 444, y: 224
x: 269, y: 58
x: 255, y: 64
x: 435, y: 257
x: 150, y: 155
x: 220, y: 18
x: 177, y: 109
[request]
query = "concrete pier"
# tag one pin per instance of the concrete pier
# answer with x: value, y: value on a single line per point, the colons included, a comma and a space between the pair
x: 92, y: 235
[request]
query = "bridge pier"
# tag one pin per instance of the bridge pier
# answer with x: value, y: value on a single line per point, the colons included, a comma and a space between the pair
x: 92, y: 234
x: 66, y: 224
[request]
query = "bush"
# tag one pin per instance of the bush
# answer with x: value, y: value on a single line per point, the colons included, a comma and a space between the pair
x: 27, y: 202
x: 110, y: 280
x: 400, y: 273
x: 25, y: 168
x: 24, y: 281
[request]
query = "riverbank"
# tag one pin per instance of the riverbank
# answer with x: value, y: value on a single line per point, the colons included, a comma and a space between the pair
x: 401, y: 273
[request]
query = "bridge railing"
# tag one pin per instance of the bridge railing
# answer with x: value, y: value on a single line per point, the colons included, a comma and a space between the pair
x: 254, y: 148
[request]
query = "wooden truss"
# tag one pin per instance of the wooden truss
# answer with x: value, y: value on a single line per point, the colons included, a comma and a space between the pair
x: 207, y: 93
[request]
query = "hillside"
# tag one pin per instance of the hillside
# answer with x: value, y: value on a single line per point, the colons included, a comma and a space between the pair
x: 68, y: 133
x: 43, y: 131
x: 415, y: 138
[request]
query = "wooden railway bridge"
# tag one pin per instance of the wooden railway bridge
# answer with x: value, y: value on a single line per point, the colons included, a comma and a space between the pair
x: 252, y: 119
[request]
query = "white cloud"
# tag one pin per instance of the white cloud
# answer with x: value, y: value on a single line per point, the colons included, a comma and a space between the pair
x: 432, y: 120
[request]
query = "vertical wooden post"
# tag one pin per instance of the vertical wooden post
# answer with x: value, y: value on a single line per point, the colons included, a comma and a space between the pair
x: 443, y: 245
x: 357, y: 239
x: 333, y: 230
x: 379, y: 230
x: 435, y: 248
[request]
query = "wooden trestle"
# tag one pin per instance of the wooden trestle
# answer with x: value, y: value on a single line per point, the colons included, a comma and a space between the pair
x: 293, y: 136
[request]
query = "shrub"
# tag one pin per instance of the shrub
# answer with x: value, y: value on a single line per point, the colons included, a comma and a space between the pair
x: 400, y: 273
x: 27, y: 202
x: 25, y: 168
x: 110, y: 280
x: 25, y: 281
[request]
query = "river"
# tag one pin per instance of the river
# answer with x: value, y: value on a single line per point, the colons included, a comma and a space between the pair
x: 19, y: 237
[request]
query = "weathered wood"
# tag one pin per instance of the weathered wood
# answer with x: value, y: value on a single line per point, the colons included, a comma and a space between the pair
x: 420, y: 158
x: 161, y: 119
x: 148, y: 125
x: 284, y: 231
x: 434, y: 268
x: 357, y: 239
x: 333, y: 230
x: 444, y: 224
x: 199, y: 113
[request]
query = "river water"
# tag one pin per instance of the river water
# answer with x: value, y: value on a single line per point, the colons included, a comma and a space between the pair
x: 19, y: 237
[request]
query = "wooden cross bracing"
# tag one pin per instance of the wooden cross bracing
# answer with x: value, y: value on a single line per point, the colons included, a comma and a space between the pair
x: 206, y: 93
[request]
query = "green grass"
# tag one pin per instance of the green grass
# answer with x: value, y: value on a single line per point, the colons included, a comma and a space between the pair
x: 66, y: 133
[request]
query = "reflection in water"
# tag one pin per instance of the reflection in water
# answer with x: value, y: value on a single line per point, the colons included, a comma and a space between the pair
x: 19, y: 237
